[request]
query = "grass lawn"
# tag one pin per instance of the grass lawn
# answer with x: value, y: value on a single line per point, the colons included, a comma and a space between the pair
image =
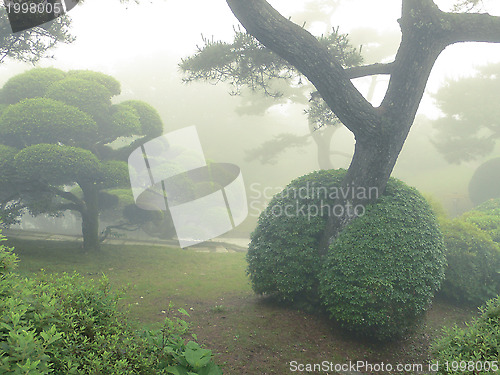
x: 249, y: 334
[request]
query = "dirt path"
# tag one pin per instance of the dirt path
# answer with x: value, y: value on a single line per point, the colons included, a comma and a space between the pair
x: 219, y: 245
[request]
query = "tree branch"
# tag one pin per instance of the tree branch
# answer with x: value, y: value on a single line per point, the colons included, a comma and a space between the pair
x: 472, y: 27
x: 67, y: 206
x: 421, y: 44
x: 122, y: 226
x: 302, y: 50
x: 68, y: 196
x: 369, y: 70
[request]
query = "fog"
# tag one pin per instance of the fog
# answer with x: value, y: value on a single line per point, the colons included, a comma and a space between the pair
x: 197, y: 221
x: 144, y: 44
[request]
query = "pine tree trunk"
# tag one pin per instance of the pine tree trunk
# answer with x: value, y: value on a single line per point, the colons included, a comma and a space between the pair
x: 365, y: 181
x: 380, y: 132
x: 90, y: 218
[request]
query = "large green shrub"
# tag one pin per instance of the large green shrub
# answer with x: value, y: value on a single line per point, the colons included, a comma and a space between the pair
x: 486, y: 217
x: 383, y: 270
x: 68, y: 325
x: 283, y: 255
x: 474, y: 349
x: 472, y: 274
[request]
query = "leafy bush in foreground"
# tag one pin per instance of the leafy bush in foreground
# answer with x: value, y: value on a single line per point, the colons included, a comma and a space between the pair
x: 68, y: 325
x: 469, y: 350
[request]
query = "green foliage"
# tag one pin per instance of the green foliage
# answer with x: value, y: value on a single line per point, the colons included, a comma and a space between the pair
x: 7, y: 154
x: 88, y: 96
x: 246, y: 63
x: 107, y: 200
x: 109, y: 82
x: 64, y: 125
x: 473, y: 252
x: 270, y: 151
x: 58, y: 164
x: 8, y: 260
x: 381, y: 272
x: 124, y: 122
x: 115, y: 174
x: 464, y: 350
x: 437, y: 208
x: 125, y: 196
x: 138, y: 216
x: 69, y: 325
x: 30, y: 84
x: 10, y: 209
x: 472, y: 275
x: 151, y: 124
x: 188, y: 358
x: 384, y: 268
x: 42, y: 120
x: 283, y: 255
x: 486, y: 217
x: 485, y: 182
x: 126, y: 215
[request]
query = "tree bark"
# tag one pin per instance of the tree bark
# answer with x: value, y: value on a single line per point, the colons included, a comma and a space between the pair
x: 323, y: 139
x: 90, y: 217
x: 380, y: 132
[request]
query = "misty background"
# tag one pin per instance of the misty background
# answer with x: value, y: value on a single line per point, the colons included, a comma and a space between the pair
x: 142, y: 44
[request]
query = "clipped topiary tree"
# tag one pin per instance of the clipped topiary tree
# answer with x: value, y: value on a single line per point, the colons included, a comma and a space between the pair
x: 382, y: 272
x: 60, y: 130
x: 474, y: 349
x: 472, y: 274
x: 30, y: 84
x: 379, y: 275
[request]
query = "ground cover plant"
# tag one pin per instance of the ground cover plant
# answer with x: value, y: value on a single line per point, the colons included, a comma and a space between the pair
x: 66, y: 324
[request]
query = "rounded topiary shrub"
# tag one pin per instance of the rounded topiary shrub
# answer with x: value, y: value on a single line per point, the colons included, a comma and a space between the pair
x: 474, y: 349
x: 485, y: 183
x: 380, y: 274
x: 473, y: 264
x: 383, y: 269
x: 283, y: 257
